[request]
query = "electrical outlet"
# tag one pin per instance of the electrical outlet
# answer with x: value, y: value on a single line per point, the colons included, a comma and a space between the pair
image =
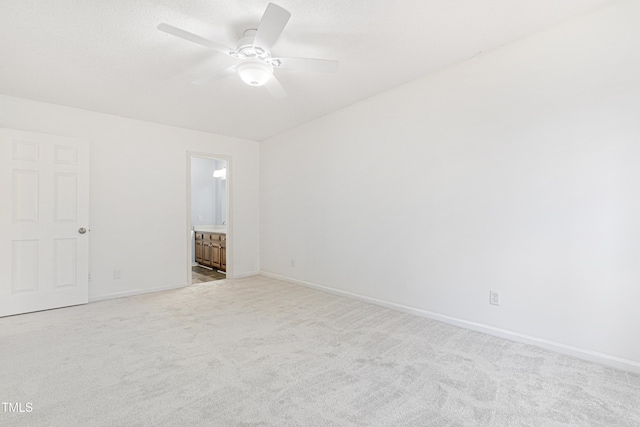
x: 116, y: 274
x: 494, y: 297
x: 293, y: 263
x: 199, y: 217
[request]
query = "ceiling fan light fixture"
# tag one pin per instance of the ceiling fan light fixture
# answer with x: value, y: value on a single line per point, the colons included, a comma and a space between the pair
x: 255, y: 72
x: 255, y: 64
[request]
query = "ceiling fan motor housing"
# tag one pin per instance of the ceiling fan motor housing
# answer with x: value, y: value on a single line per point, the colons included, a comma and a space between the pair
x: 247, y: 50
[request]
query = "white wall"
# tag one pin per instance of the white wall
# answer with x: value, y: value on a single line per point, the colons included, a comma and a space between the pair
x: 138, y: 202
x: 518, y: 170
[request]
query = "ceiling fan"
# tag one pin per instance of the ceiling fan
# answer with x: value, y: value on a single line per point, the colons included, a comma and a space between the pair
x: 256, y: 64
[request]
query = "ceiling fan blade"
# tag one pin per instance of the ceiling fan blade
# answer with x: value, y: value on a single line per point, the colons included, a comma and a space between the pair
x: 275, y: 89
x: 271, y: 25
x: 308, y: 64
x: 218, y: 75
x: 186, y: 35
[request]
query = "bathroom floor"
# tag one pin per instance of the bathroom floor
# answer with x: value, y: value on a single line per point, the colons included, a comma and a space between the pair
x: 202, y: 275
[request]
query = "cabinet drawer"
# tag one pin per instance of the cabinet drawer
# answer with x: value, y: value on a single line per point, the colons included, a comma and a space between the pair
x: 214, y: 237
x: 199, y: 236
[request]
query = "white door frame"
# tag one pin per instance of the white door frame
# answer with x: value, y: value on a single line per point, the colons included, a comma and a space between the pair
x: 229, y: 207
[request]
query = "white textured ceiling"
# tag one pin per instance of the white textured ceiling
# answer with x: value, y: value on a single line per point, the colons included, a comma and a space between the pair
x: 108, y: 56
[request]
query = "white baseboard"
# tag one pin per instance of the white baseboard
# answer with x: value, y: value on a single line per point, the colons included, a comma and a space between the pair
x: 581, y: 353
x: 158, y: 289
x: 240, y: 276
x: 134, y: 292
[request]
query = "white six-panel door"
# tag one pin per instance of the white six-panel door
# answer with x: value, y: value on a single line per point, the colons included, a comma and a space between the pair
x: 44, y: 207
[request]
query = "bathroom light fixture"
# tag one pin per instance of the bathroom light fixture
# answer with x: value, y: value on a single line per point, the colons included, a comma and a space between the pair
x: 255, y: 72
x: 220, y: 173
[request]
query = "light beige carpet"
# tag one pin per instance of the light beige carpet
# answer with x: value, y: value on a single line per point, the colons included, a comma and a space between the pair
x: 257, y: 351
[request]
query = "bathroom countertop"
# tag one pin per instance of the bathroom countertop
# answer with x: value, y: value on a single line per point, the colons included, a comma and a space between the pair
x: 211, y: 228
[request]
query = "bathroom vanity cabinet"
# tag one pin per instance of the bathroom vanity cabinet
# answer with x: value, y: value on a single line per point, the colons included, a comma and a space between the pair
x: 211, y: 250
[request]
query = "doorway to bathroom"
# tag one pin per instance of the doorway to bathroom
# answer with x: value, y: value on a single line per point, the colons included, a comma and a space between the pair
x: 208, y: 212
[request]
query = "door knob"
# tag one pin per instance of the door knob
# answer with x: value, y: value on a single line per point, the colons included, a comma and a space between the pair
x: 82, y: 230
